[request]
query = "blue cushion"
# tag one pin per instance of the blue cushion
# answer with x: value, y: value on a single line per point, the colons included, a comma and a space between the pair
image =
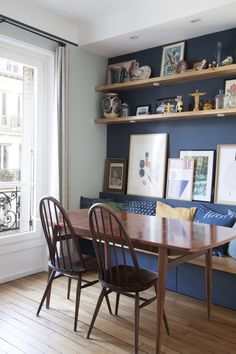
x: 205, y: 215
x: 232, y: 249
x: 140, y: 207
x: 88, y: 202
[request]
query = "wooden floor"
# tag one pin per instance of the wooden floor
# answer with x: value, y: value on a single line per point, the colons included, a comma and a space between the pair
x: 22, y: 332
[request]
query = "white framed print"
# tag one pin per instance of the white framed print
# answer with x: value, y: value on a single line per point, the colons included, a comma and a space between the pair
x: 225, y: 186
x: 147, y: 165
x: 180, y: 179
x: 203, y: 172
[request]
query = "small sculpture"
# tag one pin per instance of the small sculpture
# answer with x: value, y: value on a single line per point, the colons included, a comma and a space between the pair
x: 196, y: 96
x: 227, y: 61
x: 142, y: 73
x: 179, y: 106
x: 208, y: 104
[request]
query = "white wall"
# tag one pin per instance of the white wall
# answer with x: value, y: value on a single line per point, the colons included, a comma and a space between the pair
x: 87, y: 146
x: 33, y: 15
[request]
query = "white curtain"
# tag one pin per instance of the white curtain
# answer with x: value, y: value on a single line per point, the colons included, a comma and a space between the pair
x: 62, y: 119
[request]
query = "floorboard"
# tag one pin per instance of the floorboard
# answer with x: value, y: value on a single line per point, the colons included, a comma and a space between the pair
x: 52, y: 332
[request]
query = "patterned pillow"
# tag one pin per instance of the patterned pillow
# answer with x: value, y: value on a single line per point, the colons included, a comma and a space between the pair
x: 207, y: 216
x: 140, y: 207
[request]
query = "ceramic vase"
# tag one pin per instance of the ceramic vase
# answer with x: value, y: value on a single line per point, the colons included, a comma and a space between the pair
x: 111, y: 105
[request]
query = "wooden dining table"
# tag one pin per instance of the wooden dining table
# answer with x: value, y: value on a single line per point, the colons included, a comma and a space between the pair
x: 174, y: 241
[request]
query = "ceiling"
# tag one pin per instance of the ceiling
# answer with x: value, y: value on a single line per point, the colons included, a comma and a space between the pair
x: 105, y: 27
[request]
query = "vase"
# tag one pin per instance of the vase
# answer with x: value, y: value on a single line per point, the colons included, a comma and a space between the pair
x: 111, y: 105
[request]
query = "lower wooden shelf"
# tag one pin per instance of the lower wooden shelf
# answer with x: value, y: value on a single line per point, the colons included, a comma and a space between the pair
x: 226, y: 112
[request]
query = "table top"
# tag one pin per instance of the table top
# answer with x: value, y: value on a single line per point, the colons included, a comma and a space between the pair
x: 151, y: 232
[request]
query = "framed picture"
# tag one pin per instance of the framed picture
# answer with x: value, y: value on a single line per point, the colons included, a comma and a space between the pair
x: 225, y: 188
x: 147, y: 165
x: 180, y: 179
x: 120, y: 72
x: 203, y: 172
x: 143, y: 110
x: 166, y: 105
x: 115, y: 175
x: 171, y: 56
x: 230, y: 86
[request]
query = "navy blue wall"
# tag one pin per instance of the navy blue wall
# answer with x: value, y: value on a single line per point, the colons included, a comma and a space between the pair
x: 184, y: 134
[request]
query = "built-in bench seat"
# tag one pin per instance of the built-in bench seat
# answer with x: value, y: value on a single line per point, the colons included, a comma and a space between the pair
x: 189, y: 278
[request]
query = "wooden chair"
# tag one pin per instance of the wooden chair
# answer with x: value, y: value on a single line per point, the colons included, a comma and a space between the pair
x: 65, y: 256
x: 118, y: 265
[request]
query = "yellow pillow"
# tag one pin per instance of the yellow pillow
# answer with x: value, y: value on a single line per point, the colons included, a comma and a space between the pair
x: 167, y: 211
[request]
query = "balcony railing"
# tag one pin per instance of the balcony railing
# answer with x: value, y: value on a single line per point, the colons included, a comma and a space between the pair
x: 10, y: 209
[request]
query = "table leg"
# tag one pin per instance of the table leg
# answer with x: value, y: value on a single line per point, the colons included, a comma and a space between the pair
x: 208, y: 281
x: 161, y: 287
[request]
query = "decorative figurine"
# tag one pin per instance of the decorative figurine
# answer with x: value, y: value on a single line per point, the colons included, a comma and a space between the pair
x: 196, y: 96
x: 227, y: 61
x: 124, y: 110
x: 181, y: 66
x: 168, y: 108
x: 208, y: 104
x: 200, y: 65
x: 179, y: 106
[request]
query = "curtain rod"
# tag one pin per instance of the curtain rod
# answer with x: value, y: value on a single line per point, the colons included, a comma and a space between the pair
x: 35, y: 30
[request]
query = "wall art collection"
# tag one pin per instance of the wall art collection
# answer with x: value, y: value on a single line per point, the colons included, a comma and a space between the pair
x: 189, y: 177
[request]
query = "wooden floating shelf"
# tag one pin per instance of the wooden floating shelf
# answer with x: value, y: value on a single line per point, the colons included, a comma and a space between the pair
x: 186, y: 76
x: 169, y: 116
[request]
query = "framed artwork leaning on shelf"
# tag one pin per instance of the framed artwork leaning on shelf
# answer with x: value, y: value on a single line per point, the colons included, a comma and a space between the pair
x: 140, y: 110
x: 166, y: 105
x: 180, y: 179
x: 171, y: 56
x: 225, y: 185
x: 147, y: 165
x: 121, y: 72
x: 115, y: 175
x: 203, y: 172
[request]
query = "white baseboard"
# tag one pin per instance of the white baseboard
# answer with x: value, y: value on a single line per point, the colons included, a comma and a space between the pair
x: 22, y: 274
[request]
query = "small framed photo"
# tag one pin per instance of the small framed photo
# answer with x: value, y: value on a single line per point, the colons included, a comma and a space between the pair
x: 225, y: 188
x: 115, y: 175
x: 147, y: 165
x: 171, y: 56
x: 203, y: 172
x: 230, y: 86
x: 120, y: 72
x: 166, y: 105
x: 180, y: 179
x: 143, y: 110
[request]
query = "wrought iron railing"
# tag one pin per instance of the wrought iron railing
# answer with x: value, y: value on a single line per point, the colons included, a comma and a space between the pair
x: 9, y: 209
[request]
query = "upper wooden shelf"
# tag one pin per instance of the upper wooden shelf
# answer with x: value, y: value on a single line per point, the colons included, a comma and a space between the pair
x: 186, y: 76
x: 169, y: 116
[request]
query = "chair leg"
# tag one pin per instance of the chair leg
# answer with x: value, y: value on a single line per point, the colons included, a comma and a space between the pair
x: 47, y: 290
x: 117, y: 303
x: 68, y: 288
x: 99, y: 302
x: 108, y: 304
x: 136, y: 324
x: 77, y: 301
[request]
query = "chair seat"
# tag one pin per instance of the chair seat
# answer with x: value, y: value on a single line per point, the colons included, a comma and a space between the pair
x: 64, y: 266
x: 129, y: 279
